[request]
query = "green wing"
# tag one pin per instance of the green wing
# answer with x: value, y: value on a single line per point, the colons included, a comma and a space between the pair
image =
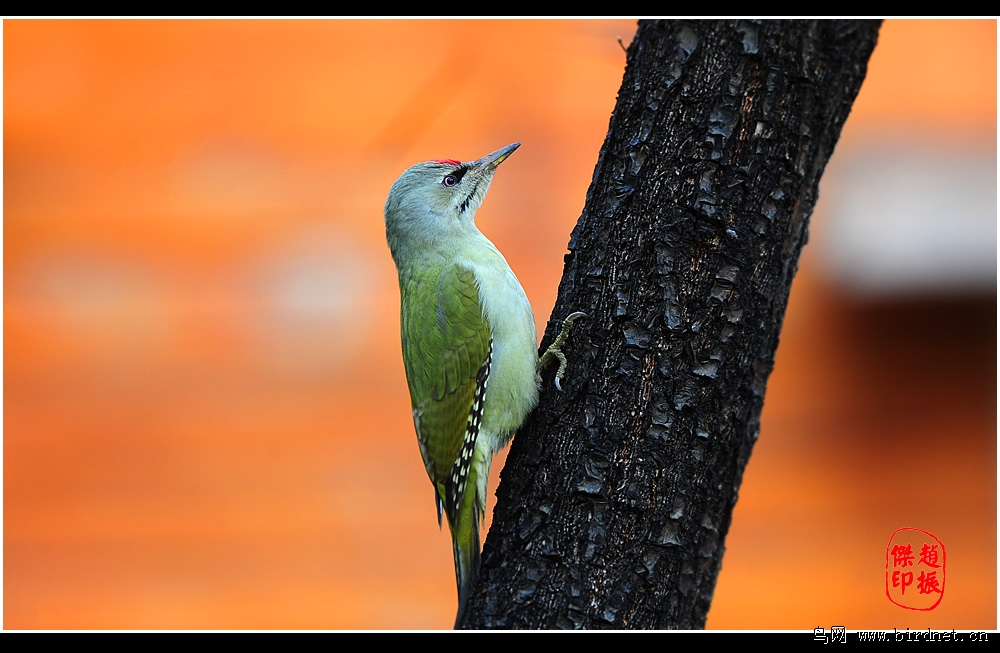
x: 446, y: 350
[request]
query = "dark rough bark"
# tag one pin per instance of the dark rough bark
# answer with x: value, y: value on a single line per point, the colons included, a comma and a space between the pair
x: 617, y: 495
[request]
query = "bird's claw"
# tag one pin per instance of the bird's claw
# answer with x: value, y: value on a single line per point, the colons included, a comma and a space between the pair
x: 554, y: 350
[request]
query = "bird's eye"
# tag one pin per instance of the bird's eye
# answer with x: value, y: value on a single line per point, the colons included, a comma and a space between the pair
x: 449, y: 180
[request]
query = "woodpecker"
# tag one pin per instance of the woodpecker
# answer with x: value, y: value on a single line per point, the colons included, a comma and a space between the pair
x: 469, y: 340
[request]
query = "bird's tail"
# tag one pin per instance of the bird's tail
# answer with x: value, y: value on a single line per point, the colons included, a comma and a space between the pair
x: 464, y: 524
x: 465, y: 542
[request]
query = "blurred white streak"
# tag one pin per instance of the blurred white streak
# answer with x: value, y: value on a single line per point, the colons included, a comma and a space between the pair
x: 319, y: 292
x: 910, y: 221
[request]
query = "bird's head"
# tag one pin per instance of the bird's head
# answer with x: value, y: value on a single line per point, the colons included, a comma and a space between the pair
x: 438, y: 198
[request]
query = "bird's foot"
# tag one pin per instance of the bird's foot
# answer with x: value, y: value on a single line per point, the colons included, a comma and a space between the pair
x: 554, y: 350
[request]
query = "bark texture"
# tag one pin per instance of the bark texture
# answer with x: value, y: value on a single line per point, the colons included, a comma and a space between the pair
x: 617, y: 495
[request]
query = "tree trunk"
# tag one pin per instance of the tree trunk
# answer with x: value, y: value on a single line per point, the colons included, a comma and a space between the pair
x: 617, y: 495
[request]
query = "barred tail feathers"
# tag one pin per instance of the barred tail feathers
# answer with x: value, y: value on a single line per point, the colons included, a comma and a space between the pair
x: 465, y: 529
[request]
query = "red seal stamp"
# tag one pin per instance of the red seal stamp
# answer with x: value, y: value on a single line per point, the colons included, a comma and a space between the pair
x: 914, y: 569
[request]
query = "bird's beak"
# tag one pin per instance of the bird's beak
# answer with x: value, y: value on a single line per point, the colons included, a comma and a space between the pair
x: 490, y: 162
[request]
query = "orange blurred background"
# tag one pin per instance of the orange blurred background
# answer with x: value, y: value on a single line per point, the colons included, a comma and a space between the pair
x: 206, y: 422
